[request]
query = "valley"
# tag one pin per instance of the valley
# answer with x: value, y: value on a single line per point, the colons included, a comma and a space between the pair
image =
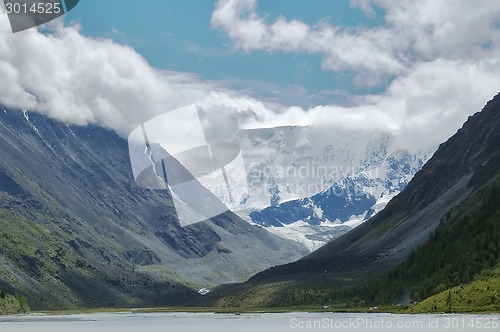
x: 440, y: 232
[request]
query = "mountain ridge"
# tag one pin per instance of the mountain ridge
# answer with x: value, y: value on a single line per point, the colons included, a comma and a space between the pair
x: 454, y: 181
x: 369, y: 263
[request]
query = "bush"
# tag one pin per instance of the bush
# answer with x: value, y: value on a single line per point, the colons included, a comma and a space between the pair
x: 23, y: 305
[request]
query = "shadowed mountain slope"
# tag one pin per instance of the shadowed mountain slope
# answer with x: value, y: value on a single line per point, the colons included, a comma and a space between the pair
x: 75, y: 230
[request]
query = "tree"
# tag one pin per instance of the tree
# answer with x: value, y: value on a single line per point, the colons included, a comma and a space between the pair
x: 23, y: 305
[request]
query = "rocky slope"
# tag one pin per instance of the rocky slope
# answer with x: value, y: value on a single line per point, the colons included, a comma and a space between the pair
x: 77, y: 231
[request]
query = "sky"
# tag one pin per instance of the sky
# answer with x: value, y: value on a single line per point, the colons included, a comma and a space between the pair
x: 416, y: 69
x: 177, y: 35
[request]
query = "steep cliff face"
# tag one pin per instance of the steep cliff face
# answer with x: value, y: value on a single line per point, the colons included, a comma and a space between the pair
x: 77, y: 231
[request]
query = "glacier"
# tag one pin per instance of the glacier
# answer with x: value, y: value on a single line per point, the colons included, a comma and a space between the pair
x: 346, y: 177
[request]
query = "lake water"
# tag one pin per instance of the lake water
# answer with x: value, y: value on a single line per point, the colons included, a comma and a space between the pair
x: 210, y: 322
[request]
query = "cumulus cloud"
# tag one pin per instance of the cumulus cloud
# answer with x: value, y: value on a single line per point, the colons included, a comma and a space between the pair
x: 440, y: 57
x: 84, y: 80
x: 413, y: 31
x: 342, y: 49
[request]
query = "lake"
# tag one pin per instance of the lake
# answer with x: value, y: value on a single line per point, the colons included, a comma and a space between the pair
x: 275, y: 322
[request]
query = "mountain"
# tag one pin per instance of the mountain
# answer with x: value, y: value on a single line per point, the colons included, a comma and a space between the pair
x: 439, y: 232
x: 76, y: 231
x: 313, y: 184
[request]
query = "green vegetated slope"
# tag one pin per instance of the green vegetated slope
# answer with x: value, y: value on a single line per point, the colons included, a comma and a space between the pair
x: 467, y: 243
x: 440, y: 232
x: 55, y: 269
x: 464, y: 247
x: 480, y: 295
x: 10, y: 304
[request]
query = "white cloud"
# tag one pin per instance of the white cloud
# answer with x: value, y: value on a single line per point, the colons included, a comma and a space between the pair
x: 413, y: 31
x: 422, y: 108
x: 441, y: 58
x: 342, y: 49
x: 84, y: 80
x: 365, y: 6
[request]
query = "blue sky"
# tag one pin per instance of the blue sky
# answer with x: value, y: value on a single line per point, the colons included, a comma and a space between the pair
x: 176, y: 35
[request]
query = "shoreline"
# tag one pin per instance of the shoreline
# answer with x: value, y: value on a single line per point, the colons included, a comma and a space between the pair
x: 236, y: 310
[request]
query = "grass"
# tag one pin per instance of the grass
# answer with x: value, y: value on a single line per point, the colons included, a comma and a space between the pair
x: 224, y: 310
x: 480, y: 296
